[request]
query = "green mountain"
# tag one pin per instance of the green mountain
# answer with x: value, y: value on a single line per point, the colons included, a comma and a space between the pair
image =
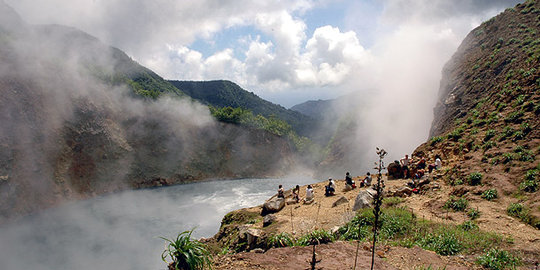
x: 80, y: 118
x: 223, y: 93
x: 487, y: 119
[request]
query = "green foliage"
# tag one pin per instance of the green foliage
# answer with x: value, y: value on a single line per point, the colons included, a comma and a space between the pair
x: 456, y: 204
x: 498, y: 259
x: 507, y: 157
x: 456, y: 181
x: 223, y: 93
x: 281, y: 240
x: 456, y: 133
x: 468, y: 226
x: 392, y: 201
x: 489, y: 134
x: 316, y: 237
x: 523, y: 154
x: 488, y: 145
x: 530, y: 182
x: 514, y: 117
x: 186, y: 253
x: 399, y: 226
x: 434, y: 140
x: 490, y: 194
x: 474, y: 178
x: 473, y: 213
x: 518, y: 210
x: 445, y: 243
x: 507, y: 132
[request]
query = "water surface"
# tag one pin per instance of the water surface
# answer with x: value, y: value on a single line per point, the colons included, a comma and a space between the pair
x: 121, y: 231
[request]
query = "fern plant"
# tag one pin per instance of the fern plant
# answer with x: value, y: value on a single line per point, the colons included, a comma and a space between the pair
x: 186, y: 254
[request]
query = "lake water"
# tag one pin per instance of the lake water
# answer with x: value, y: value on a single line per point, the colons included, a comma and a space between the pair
x: 121, y: 231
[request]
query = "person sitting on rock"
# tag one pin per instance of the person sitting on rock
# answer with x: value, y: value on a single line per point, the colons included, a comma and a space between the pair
x: 421, y: 164
x: 367, y: 180
x: 330, y: 189
x: 310, y: 195
x: 295, y: 193
x: 281, y: 192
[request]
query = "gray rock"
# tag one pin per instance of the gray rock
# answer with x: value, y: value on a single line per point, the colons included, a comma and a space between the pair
x: 273, y: 205
x: 364, y: 199
x: 268, y: 219
x: 252, y: 235
x: 403, y: 191
x: 339, y: 201
x: 258, y: 250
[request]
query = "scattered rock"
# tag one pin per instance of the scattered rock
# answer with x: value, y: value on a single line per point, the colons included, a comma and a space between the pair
x: 364, y: 199
x: 403, y: 192
x: 291, y: 201
x: 268, y: 219
x: 339, y: 201
x: 273, y: 205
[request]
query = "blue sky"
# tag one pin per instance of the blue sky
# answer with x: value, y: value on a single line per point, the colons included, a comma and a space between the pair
x: 286, y: 51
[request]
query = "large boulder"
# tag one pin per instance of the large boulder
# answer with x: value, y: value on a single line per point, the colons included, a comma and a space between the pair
x: 394, y: 170
x: 364, y: 199
x: 273, y: 205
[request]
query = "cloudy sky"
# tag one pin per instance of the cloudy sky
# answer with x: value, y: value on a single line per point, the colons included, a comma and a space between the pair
x: 287, y: 51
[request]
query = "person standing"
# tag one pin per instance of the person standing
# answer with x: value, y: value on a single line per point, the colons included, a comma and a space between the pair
x: 405, y: 165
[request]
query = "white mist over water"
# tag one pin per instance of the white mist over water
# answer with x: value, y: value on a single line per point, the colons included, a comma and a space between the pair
x: 121, y: 231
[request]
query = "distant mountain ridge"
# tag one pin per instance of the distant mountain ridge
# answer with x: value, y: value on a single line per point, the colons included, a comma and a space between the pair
x: 222, y: 93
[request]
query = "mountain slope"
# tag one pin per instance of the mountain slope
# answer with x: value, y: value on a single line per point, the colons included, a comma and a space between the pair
x: 225, y: 93
x: 75, y: 123
x: 487, y: 118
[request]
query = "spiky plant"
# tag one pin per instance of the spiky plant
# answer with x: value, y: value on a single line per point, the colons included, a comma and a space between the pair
x: 186, y: 253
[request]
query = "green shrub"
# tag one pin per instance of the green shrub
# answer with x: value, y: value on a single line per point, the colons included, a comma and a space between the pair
x: 468, y: 225
x: 456, y: 204
x: 280, y: 240
x: 489, y: 134
x: 514, y: 117
x: 507, y: 132
x: 434, y: 140
x: 392, y: 201
x: 507, y: 157
x: 186, y: 253
x: 530, y: 182
x: 523, y: 154
x: 473, y: 213
x: 456, y: 134
x: 488, y: 145
x: 444, y: 244
x: 498, y: 259
x: 474, y: 178
x: 517, y: 210
x: 490, y: 194
x: 316, y: 237
x: 456, y: 181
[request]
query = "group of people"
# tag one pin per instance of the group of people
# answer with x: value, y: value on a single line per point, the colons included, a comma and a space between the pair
x: 408, y: 168
x: 329, y: 189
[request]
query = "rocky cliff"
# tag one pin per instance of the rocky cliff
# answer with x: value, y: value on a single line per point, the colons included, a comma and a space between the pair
x: 486, y: 122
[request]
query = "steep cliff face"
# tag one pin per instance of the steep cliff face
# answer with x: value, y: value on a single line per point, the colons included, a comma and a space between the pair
x: 496, y: 64
x: 76, y: 121
x: 487, y: 117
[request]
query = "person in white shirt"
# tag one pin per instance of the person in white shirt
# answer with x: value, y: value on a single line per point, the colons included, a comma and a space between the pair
x: 309, y: 195
x: 405, y: 166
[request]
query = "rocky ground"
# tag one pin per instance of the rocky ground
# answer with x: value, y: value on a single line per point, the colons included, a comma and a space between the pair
x: 298, y: 219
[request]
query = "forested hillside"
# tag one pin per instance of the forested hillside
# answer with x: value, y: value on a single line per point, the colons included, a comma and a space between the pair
x: 228, y: 94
